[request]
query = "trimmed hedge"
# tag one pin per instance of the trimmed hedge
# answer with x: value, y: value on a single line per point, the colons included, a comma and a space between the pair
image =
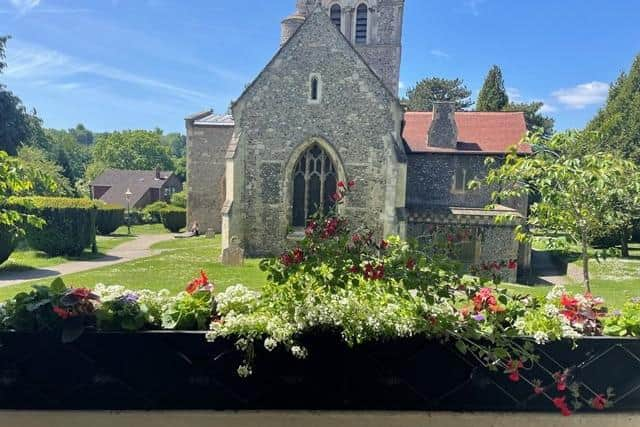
x: 109, y: 218
x: 151, y: 213
x: 8, y: 242
x: 173, y: 218
x: 70, y: 224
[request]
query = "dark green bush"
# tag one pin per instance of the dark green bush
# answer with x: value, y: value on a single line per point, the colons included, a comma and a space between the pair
x: 109, y: 218
x: 173, y: 218
x: 70, y: 224
x: 8, y: 242
x: 151, y: 213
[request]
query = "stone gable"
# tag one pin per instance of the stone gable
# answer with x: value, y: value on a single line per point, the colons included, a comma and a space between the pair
x: 356, y: 118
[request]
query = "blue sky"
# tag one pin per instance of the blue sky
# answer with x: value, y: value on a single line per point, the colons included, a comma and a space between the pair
x: 117, y: 64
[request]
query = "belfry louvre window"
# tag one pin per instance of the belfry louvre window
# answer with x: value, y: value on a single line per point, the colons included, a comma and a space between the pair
x: 361, y: 23
x: 314, y: 182
x: 336, y: 15
x: 460, y: 180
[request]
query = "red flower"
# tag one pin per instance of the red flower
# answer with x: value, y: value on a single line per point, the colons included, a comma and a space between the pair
x: 298, y: 255
x: 337, y: 197
x: 286, y: 260
x: 568, y: 302
x: 61, y: 312
x: 411, y: 264
x: 373, y: 273
x: 196, y: 284
x: 351, y: 184
x: 559, y: 402
x: 340, y: 184
x: 513, y: 369
x: 513, y: 264
x: 354, y: 269
x: 311, y: 228
x: 599, y: 402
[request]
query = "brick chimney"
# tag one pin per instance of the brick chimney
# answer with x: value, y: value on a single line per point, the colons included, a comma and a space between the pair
x: 443, y: 132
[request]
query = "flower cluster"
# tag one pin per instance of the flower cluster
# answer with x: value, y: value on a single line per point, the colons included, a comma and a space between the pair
x: 485, y: 299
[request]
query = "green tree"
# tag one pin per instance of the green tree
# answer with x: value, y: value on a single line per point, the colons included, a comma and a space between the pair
x: 82, y: 135
x: 492, y: 96
x: 43, y: 171
x: 71, y: 155
x: 534, y: 119
x: 14, y: 179
x: 422, y: 96
x: 132, y: 149
x: 618, y: 122
x: 17, y: 126
x: 176, y: 142
x: 575, y: 192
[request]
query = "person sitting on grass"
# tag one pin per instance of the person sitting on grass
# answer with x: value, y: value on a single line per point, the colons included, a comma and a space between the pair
x: 194, y: 230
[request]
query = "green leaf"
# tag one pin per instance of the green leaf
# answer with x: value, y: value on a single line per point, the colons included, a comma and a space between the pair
x: 58, y: 286
x: 461, y: 346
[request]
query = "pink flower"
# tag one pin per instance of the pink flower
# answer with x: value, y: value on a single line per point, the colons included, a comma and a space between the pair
x: 599, y: 402
x: 340, y: 184
x: 351, y: 184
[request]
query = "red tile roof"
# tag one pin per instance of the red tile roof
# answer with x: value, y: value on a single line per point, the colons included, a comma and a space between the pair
x: 477, y: 132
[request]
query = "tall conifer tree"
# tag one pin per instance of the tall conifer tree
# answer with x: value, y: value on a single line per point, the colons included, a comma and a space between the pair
x: 492, y: 96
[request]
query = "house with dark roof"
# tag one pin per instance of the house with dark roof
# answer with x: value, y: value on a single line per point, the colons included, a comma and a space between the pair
x: 325, y: 109
x: 146, y: 187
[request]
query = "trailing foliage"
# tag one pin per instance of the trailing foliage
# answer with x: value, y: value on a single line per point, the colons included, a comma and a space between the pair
x: 109, y: 218
x: 69, y: 228
x: 174, y: 219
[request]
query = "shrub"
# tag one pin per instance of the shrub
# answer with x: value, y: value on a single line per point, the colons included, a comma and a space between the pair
x: 151, y: 213
x: 179, y: 199
x: 70, y: 224
x: 8, y: 243
x: 173, y: 218
x: 109, y: 218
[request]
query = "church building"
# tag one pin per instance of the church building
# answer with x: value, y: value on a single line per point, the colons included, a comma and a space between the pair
x: 325, y: 109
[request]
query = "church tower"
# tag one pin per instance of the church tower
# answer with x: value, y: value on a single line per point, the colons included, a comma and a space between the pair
x: 374, y: 28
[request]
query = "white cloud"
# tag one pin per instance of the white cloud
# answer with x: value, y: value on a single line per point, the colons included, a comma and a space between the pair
x: 439, y: 53
x: 34, y: 63
x: 584, y: 94
x: 401, y: 85
x: 24, y: 6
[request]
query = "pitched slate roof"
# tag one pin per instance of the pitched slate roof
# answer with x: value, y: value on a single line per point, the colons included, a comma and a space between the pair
x: 215, y: 120
x: 138, y: 182
x: 479, y: 132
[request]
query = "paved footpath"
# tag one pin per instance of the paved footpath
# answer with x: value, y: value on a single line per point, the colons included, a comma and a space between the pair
x: 134, y: 249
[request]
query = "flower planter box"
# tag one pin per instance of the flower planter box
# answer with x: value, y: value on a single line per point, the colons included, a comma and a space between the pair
x: 181, y: 370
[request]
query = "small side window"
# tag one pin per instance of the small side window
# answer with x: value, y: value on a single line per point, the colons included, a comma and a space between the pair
x: 315, y: 88
x: 460, y: 180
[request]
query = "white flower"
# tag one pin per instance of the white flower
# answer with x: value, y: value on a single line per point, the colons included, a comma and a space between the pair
x: 556, y: 293
x: 244, y: 371
x: 242, y: 344
x: 541, y: 337
x: 299, y: 352
x: 551, y: 310
x: 270, y: 344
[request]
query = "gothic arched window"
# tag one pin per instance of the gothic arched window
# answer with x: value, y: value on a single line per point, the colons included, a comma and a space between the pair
x: 362, y: 17
x: 314, y: 182
x: 336, y: 16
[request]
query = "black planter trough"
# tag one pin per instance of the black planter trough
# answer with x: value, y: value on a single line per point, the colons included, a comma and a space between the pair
x: 181, y: 370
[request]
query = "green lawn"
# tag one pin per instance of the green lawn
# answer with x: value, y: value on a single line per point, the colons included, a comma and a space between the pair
x: 25, y: 258
x: 137, y: 230
x: 615, y: 279
x: 180, y: 261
